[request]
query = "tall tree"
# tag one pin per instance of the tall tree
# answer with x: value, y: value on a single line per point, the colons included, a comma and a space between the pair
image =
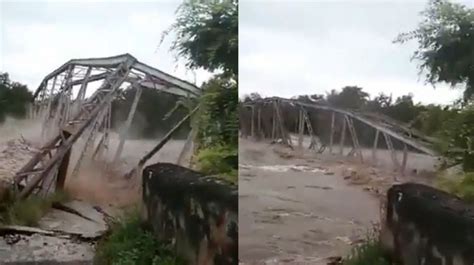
x: 446, y: 54
x: 445, y: 44
x: 351, y: 97
x: 207, y: 37
x: 252, y: 97
x: 403, y: 109
x: 379, y: 103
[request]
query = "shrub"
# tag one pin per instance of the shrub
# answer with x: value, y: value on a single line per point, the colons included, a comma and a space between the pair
x: 461, y: 185
x: 368, y: 253
x: 128, y: 243
x: 220, y: 160
x: 30, y: 210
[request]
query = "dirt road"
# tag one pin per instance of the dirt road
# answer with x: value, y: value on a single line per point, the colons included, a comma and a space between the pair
x: 300, y: 209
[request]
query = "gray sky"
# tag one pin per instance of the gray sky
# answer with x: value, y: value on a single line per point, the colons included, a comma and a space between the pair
x: 310, y: 47
x: 36, y: 37
x: 286, y: 47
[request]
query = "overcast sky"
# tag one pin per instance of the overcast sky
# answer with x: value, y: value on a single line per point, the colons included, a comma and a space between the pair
x: 36, y: 37
x: 286, y: 47
x: 302, y: 47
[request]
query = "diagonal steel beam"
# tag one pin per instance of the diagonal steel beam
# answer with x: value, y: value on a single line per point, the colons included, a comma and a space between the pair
x: 416, y: 145
x: 156, y: 75
x: 110, y: 88
x: 128, y: 122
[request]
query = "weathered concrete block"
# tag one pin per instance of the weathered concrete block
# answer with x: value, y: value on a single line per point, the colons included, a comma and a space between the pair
x: 196, y: 213
x: 423, y: 225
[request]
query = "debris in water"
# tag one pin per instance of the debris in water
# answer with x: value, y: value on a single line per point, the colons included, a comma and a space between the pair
x: 344, y: 239
x: 286, y: 168
x: 319, y: 187
x: 334, y: 260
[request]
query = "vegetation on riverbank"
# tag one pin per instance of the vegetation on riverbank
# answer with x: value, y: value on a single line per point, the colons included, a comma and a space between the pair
x: 207, y: 38
x: 30, y: 210
x: 129, y: 243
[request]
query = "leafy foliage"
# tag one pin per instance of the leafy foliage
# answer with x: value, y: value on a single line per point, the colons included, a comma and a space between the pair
x: 218, y: 160
x: 445, y: 44
x: 13, y: 98
x: 446, y: 54
x: 433, y: 118
x: 207, y: 35
x: 217, y: 128
x: 129, y: 244
x: 462, y: 185
x: 457, y: 134
x: 217, y: 120
x: 351, y: 97
x: 30, y: 210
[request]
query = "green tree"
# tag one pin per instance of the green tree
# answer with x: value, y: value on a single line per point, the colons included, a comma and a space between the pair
x: 351, y: 97
x: 218, y: 121
x: 445, y: 44
x: 14, y: 98
x: 379, y: 103
x: 446, y: 54
x: 457, y: 134
x: 207, y: 37
x: 403, y: 109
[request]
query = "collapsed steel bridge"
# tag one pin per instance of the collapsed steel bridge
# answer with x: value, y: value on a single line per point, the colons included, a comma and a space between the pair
x: 387, y: 127
x: 68, y: 114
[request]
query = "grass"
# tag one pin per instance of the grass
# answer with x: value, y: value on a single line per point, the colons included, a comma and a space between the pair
x: 128, y: 243
x: 368, y: 253
x: 461, y: 185
x: 30, y: 210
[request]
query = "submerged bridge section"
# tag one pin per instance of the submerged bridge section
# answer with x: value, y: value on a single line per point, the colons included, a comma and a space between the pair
x: 68, y: 114
x: 267, y: 121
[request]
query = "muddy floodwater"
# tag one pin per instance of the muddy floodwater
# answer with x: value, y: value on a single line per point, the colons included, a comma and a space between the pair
x: 300, y: 207
x: 295, y: 206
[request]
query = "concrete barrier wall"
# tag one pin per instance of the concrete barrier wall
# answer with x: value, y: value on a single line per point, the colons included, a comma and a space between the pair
x: 196, y: 213
x: 423, y: 225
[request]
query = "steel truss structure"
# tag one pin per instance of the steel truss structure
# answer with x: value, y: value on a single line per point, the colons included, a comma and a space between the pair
x: 68, y: 114
x: 389, y: 128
